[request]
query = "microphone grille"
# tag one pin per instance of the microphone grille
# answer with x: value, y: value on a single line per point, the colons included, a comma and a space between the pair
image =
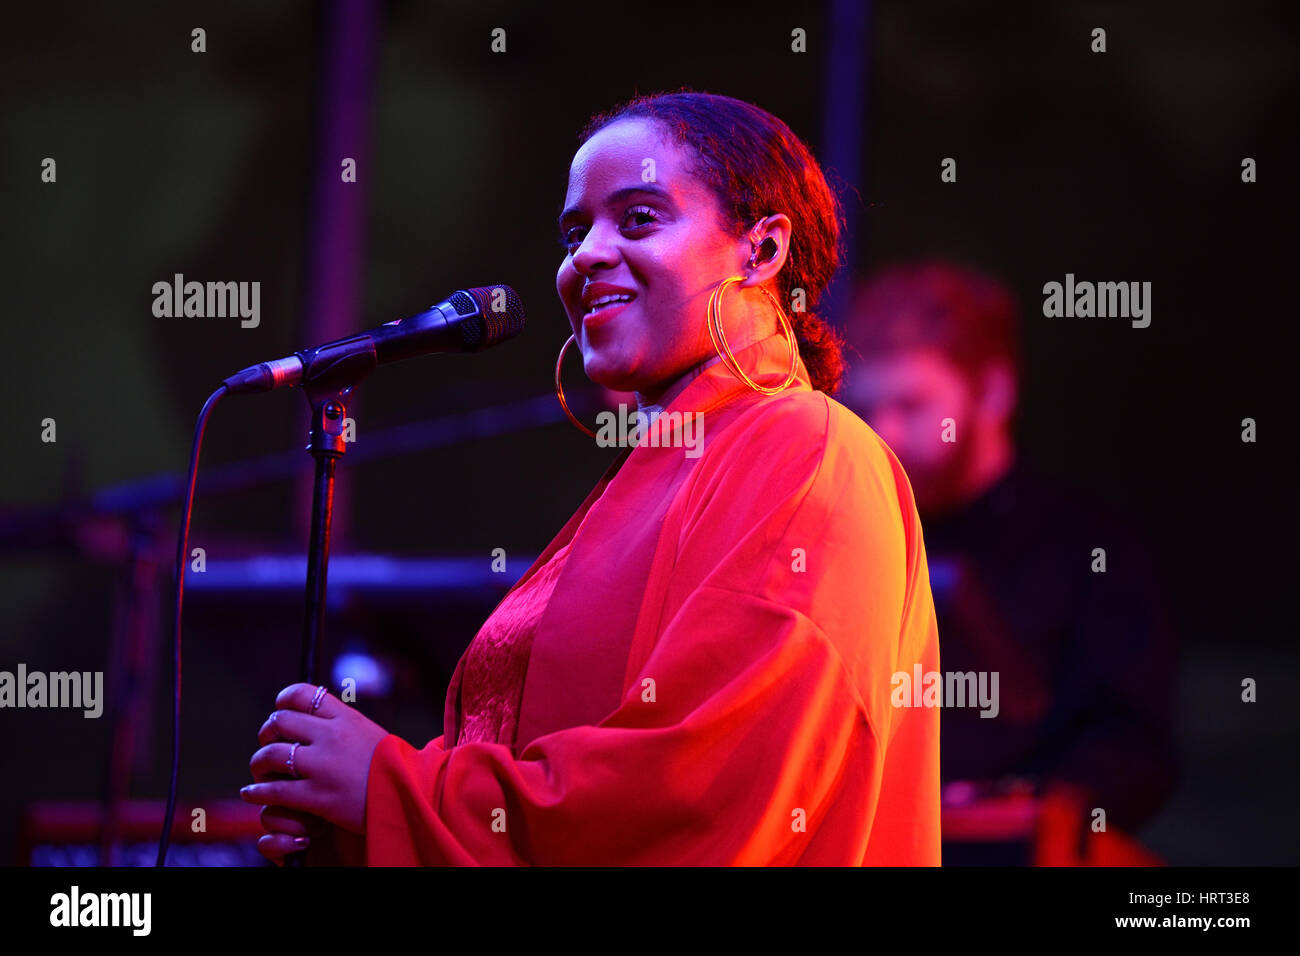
x: 500, y: 311
x: 462, y: 303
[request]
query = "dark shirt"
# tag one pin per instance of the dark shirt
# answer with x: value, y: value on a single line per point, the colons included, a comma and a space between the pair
x: 1086, y: 660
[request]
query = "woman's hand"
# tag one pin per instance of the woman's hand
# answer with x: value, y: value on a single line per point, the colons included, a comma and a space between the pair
x: 327, y: 775
x: 288, y: 831
x: 327, y: 844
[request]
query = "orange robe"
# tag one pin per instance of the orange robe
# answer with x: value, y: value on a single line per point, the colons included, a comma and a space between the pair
x: 710, y: 682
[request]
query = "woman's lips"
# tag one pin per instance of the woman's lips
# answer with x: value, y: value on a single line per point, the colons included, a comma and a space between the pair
x: 595, y: 319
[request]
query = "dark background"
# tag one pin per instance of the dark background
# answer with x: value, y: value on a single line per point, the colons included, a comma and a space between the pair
x: 1121, y: 166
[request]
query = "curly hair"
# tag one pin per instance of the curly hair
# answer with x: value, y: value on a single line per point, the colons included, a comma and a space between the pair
x: 756, y: 166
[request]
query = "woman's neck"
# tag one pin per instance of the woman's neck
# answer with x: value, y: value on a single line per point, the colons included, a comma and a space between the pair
x: 751, y: 321
x: 652, y: 403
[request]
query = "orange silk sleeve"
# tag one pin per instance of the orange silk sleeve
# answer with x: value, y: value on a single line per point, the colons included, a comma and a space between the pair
x: 753, y: 733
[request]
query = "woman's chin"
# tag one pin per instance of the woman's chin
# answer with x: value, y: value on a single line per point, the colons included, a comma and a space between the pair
x: 610, y: 375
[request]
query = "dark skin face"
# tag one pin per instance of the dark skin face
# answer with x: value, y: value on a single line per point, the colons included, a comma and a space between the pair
x: 663, y: 242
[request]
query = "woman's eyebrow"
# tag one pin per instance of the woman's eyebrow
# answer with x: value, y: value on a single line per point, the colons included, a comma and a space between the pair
x: 618, y: 195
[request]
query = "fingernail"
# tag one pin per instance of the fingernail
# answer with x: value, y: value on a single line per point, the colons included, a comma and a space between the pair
x: 300, y: 842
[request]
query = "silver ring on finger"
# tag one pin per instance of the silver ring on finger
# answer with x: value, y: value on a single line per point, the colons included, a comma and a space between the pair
x: 319, y: 696
x: 292, y: 752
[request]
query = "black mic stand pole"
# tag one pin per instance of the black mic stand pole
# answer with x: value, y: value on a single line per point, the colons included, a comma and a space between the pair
x: 328, y: 383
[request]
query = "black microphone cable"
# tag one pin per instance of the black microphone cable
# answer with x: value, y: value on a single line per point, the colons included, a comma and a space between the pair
x: 182, y: 547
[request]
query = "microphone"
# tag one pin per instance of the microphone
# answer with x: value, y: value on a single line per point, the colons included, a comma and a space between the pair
x: 468, y: 320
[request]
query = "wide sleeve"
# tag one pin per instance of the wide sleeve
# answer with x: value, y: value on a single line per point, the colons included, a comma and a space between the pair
x: 744, y: 737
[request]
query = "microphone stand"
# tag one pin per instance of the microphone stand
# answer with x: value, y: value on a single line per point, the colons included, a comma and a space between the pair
x: 328, y: 381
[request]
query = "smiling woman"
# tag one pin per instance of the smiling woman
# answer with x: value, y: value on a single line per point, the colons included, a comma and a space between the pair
x: 662, y: 194
x: 697, y: 669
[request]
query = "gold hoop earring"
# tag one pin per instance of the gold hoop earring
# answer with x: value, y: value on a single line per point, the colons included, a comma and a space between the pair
x: 724, y: 350
x: 559, y: 389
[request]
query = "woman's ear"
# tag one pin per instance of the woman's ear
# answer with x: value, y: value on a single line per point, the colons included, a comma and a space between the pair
x: 765, y: 249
